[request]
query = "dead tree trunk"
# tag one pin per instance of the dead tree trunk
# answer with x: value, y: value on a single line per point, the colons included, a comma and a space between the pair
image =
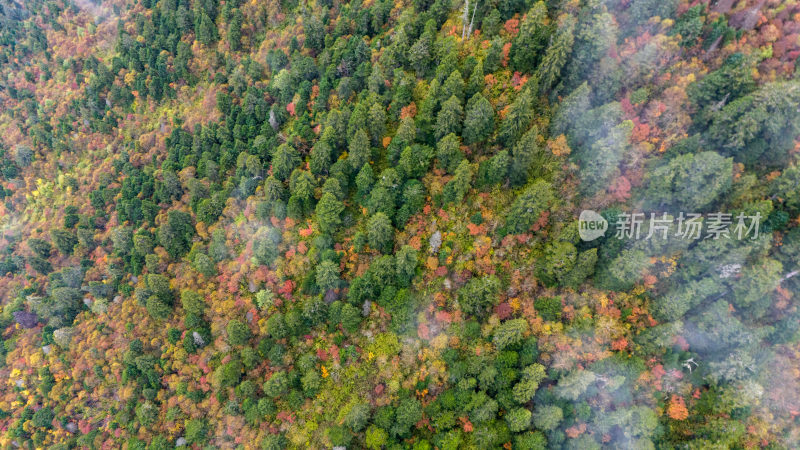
x: 464, y: 19
x: 472, y: 20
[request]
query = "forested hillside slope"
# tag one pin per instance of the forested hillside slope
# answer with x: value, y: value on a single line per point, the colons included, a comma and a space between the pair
x: 309, y: 224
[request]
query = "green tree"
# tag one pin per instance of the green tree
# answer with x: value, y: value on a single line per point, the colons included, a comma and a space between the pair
x: 549, y: 308
x: 525, y: 389
x: 364, y: 181
x: 235, y: 30
x: 495, y: 169
x: 206, y: 29
x: 532, y: 440
x: 759, y: 128
x: 570, y: 112
x: 205, y: 265
x: 419, y: 55
x: 334, y: 187
x: 450, y: 118
x: 176, y: 234
x: 320, y: 160
x: 357, y: 418
x: 284, y: 162
x: 406, y: 134
x: 274, y: 442
x: 724, y: 85
x: 350, y: 317
x: 453, y: 86
x: 65, y: 305
x: 147, y: 413
x: 265, y: 245
x: 314, y: 33
x: 64, y: 240
x: 301, y: 200
x: 557, y: 54
x: 160, y: 296
x: 381, y: 200
x: 339, y: 436
x: 43, y: 417
x: 195, y: 431
x: 327, y: 275
x: 518, y: 419
x: 228, y: 374
x: 458, y: 186
x: 359, y: 153
x: 784, y: 187
x: 510, y: 332
x: 572, y: 386
x: 157, y: 308
x: 479, y: 121
x: 584, y: 267
x: 677, y: 301
x: 751, y: 290
x: 376, y: 120
x: 628, y: 268
x: 238, y: 332
x: 159, y: 286
x: 529, y: 159
x: 535, y: 199
x: 479, y: 293
x: 557, y: 263
x: 311, y: 382
x: 528, y: 45
x: 276, y: 385
x: 691, y: 182
x: 193, y: 306
x: 409, y: 412
x: 482, y: 408
x: 375, y: 437
x: 276, y: 326
x: 476, y: 81
x: 380, y: 233
x: 518, y: 119
x: 142, y: 244
x: 329, y: 211
x: 415, y: 161
x: 601, y: 139
x: 406, y: 263
x: 547, y: 417
x: 448, y: 153
x: 40, y: 248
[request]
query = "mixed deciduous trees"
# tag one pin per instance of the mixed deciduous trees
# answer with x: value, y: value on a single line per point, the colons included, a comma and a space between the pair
x: 372, y: 250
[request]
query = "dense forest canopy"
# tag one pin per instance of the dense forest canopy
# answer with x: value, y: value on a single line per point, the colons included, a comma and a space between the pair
x: 317, y: 224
